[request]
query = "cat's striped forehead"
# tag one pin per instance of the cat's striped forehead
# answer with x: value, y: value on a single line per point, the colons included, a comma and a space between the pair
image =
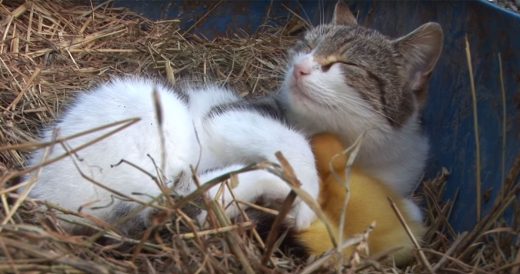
x: 349, y: 44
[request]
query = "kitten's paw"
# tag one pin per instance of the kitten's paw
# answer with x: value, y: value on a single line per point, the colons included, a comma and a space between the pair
x: 303, y: 215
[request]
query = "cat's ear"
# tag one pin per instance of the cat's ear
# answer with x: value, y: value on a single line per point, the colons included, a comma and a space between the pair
x: 421, y: 49
x: 343, y: 15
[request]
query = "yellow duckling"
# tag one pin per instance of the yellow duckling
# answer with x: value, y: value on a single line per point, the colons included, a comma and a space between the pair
x: 368, y: 203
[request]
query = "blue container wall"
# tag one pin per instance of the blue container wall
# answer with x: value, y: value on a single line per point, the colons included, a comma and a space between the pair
x: 448, y: 116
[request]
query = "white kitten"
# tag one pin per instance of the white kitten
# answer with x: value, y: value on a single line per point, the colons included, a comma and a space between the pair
x: 224, y: 140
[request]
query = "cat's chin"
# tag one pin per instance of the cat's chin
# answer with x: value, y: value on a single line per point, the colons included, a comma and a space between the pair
x: 300, y: 96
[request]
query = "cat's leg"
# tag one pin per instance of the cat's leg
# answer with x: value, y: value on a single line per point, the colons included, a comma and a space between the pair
x: 254, y: 185
x: 246, y: 136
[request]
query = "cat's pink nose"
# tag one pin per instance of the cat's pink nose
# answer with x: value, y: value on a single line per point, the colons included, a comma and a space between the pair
x: 300, y: 70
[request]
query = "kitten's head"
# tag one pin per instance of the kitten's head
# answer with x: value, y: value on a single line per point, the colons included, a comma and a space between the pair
x: 343, y: 69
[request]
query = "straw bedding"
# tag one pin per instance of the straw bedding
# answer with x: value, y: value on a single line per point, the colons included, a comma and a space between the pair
x: 52, y: 49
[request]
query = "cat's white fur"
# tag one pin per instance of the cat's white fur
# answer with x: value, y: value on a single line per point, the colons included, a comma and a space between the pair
x: 220, y: 143
x: 412, y: 210
x: 320, y: 92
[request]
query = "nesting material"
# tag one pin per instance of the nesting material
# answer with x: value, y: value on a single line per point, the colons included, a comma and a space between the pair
x: 52, y: 49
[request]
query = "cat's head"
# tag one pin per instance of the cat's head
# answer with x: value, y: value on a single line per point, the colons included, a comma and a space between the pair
x: 341, y: 68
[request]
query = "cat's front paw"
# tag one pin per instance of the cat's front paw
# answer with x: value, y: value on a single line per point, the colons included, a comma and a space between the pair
x: 303, y: 215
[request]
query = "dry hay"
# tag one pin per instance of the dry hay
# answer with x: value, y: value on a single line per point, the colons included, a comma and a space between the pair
x: 51, y: 49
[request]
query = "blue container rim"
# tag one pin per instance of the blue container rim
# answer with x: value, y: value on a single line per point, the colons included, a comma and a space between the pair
x: 499, y: 8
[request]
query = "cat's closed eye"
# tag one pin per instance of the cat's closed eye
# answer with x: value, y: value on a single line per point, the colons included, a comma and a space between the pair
x: 326, y: 67
x: 353, y: 65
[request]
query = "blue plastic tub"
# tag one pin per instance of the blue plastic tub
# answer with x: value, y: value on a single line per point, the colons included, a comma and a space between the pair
x: 448, y: 117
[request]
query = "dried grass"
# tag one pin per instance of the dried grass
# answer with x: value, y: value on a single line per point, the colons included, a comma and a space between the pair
x: 52, y: 49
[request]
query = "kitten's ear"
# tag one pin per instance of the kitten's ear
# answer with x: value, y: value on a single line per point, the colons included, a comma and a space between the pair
x: 343, y: 15
x: 421, y: 49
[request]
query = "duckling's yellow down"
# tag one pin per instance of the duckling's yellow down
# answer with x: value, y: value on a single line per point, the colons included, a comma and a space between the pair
x: 368, y: 203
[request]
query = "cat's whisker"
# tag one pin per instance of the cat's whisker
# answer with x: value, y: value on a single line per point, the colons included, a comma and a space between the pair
x: 360, y: 103
x: 322, y: 97
x: 331, y: 95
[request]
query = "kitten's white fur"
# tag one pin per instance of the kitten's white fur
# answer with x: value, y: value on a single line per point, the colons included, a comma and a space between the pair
x: 412, y: 210
x: 227, y: 141
x: 322, y: 101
